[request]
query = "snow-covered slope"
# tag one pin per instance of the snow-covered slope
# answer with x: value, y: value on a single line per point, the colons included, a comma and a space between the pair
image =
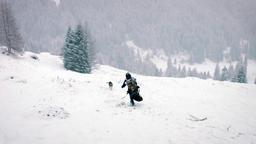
x: 159, y: 59
x: 42, y: 103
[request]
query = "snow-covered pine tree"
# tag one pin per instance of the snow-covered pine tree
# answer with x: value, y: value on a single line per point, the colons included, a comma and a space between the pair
x: 76, y: 50
x: 234, y: 78
x: 9, y: 32
x: 241, y: 75
x: 81, y: 51
x: 68, y: 56
x: 224, y: 74
x: 171, y: 70
x: 216, y: 75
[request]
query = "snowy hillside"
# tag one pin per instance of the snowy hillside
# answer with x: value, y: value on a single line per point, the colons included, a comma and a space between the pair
x: 160, y: 60
x: 42, y: 103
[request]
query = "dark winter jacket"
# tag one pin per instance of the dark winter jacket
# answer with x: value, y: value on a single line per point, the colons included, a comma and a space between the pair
x: 132, y: 85
x: 133, y: 89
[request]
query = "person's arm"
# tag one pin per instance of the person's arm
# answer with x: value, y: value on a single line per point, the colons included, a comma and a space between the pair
x: 124, y: 84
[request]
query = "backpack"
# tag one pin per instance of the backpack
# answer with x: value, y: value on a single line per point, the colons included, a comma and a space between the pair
x: 132, y: 84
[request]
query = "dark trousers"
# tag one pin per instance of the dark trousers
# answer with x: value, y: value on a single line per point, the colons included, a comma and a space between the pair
x: 134, y: 96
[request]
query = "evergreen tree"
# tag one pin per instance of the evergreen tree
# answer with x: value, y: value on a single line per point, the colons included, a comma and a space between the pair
x: 255, y: 81
x: 68, y: 48
x: 81, y: 51
x: 216, y: 75
x: 76, y: 50
x: 224, y: 74
x: 241, y: 75
x: 208, y: 75
x: 171, y: 70
x: 9, y: 32
x: 204, y: 75
x: 169, y: 65
x: 234, y: 77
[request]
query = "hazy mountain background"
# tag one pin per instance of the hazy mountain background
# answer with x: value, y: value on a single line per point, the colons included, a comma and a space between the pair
x: 200, y: 29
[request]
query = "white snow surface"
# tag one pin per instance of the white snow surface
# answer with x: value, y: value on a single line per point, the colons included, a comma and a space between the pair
x: 42, y: 103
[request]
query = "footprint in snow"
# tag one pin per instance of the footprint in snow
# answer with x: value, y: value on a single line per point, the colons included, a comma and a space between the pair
x: 122, y: 104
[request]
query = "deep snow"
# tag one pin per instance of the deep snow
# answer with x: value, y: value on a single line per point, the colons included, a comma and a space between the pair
x: 41, y: 103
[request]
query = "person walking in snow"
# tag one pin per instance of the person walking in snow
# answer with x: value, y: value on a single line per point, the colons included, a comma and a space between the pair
x: 133, y: 88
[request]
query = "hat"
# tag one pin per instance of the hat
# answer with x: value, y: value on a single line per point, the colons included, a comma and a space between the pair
x: 128, y: 75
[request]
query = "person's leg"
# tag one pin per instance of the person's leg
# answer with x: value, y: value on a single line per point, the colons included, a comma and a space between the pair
x: 131, y: 96
x: 131, y: 100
